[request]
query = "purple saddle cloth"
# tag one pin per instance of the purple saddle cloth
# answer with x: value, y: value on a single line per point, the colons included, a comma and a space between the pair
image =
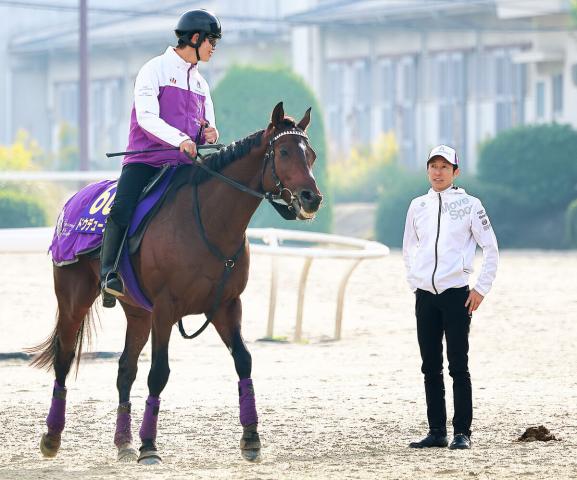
x: 81, y: 224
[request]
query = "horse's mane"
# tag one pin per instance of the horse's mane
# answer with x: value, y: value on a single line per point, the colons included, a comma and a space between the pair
x: 225, y: 156
x: 192, y: 175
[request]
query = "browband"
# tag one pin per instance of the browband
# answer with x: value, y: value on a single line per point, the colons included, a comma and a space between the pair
x: 292, y: 131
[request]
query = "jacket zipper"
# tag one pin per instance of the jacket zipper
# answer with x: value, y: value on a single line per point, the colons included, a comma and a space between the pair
x: 437, y: 245
x: 187, y: 101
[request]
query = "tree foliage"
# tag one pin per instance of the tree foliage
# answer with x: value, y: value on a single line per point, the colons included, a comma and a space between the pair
x: 244, y: 101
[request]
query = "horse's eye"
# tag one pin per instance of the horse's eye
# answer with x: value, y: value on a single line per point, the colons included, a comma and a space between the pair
x: 283, y: 152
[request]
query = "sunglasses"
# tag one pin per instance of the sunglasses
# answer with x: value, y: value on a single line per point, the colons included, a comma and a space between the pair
x: 212, y: 40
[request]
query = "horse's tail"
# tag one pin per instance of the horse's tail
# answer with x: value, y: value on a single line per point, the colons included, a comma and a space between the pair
x: 45, y: 353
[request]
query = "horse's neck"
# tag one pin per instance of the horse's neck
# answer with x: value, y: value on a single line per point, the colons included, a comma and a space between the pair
x: 225, y: 210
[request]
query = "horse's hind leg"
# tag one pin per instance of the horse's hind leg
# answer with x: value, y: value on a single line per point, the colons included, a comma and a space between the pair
x: 76, y: 288
x: 137, y: 333
x: 227, y: 321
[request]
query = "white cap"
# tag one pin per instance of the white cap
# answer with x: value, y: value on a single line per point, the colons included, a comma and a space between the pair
x: 446, y: 152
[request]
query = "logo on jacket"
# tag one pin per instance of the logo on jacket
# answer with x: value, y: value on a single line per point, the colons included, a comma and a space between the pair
x: 173, y: 80
x: 198, y: 84
x: 457, y: 209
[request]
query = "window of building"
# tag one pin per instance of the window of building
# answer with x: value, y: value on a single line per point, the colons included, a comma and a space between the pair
x: 451, y: 81
x: 407, y: 98
x: 361, y: 107
x: 557, y: 84
x: 334, y: 101
x: 106, y: 111
x: 510, y: 81
x: 540, y: 100
x: 387, y: 94
x: 66, y: 103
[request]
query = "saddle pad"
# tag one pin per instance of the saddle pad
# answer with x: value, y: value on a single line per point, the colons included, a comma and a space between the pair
x: 81, y: 224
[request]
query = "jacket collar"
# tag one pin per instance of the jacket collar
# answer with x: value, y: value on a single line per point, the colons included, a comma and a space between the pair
x: 175, y: 59
x: 451, y: 189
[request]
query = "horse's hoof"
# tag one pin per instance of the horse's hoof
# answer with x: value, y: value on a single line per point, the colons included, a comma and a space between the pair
x: 49, y: 445
x: 149, y: 457
x: 251, y: 455
x: 127, y: 453
x: 250, y: 444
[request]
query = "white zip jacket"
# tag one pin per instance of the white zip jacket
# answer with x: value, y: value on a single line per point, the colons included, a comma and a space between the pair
x: 442, y: 232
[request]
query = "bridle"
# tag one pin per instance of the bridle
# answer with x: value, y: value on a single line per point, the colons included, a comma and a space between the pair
x: 291, y: 206
x: 288, y: 209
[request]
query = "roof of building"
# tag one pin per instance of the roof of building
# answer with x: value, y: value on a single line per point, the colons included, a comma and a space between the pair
x: 146, y: 25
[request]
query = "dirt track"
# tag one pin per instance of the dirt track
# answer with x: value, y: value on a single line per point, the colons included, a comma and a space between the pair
x: 327, y: 409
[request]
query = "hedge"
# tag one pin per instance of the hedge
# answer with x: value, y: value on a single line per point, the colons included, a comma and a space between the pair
x: 19, y: 210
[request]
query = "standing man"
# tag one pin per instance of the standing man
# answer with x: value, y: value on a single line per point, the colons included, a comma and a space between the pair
x: 442, y: 231
x: 172, y: 108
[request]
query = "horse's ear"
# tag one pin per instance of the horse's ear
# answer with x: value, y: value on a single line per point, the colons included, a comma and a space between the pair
x: 277, y: 114
x: 304, y: 123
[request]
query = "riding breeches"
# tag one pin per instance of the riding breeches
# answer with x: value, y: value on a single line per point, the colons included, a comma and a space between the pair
x: 133, y: 178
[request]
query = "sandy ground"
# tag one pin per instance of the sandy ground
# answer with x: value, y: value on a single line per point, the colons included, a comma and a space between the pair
x: 327, y: 409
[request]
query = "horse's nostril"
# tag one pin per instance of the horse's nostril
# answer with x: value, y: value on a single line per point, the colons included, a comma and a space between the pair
x: 306, y: 195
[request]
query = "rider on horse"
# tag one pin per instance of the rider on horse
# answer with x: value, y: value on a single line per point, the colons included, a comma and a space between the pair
x: 172, y: 107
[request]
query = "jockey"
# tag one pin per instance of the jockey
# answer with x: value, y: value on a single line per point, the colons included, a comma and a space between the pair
x: 172, y: 107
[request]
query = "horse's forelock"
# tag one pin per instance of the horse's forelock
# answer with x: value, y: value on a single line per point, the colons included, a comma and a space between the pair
x: 289, y: 122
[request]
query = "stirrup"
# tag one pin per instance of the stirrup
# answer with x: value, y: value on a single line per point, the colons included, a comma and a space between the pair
x: 108, y: 300
x: 115, y: 290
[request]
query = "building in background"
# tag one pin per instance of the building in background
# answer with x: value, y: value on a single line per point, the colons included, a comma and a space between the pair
x: 437, y: 71
x: 431, y: 71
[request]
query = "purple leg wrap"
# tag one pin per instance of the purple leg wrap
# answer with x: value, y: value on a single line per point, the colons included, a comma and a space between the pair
x: 56, y: 416
x: 248, y: 414
x: 123, y: 433
x: 148, y: 428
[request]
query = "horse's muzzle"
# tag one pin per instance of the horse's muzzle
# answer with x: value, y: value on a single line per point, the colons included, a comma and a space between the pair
x: 310, y: 202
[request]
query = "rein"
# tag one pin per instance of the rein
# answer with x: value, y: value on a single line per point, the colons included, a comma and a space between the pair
x: 229, y: 262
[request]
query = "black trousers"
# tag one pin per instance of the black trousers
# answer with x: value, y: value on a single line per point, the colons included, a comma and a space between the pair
x: 437, y: 315
x: 133, y: 178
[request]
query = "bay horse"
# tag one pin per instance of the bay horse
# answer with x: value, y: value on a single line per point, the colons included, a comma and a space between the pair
x: 197, y: 234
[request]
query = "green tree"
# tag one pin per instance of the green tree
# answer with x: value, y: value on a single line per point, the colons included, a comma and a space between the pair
x: 244, y: 101
x: 537, y: 162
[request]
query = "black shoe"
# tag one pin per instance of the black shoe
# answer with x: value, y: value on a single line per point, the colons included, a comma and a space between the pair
x: 110, y: 281
x: 431, y: 440
x: 460, y: 442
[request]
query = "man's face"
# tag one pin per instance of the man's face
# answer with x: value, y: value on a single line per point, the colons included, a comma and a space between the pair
x: 206, y: 48
x: 441, y: 174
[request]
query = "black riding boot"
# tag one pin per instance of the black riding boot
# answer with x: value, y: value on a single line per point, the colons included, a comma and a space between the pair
x: 110, y: 281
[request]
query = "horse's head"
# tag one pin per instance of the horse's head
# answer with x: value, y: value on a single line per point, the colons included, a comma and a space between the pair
x: 287, y: 170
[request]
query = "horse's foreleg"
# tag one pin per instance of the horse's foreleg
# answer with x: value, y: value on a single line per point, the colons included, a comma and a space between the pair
x: 75, y: 298
x: 137, y: 333
x: 227, y: 321
x: 157, y: 380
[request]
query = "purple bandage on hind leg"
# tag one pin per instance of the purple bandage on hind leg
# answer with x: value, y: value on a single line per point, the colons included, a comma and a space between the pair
x: 56, y: 417
x: 148, y: 427
x: 123, y: 434
x: 246, y: 401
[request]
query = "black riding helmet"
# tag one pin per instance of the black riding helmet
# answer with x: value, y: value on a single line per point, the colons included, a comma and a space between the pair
x: 197, y: 21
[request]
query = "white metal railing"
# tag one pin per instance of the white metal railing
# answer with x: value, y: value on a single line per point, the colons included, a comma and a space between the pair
x: 22, y: 240
x: 30, y: 175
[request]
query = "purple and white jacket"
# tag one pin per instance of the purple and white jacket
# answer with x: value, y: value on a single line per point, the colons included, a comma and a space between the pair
x: 170, y: 100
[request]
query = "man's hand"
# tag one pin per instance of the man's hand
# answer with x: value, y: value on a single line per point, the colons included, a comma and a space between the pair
x: 473, y: 300
x: 210, y: 134
x: 188, y: 146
